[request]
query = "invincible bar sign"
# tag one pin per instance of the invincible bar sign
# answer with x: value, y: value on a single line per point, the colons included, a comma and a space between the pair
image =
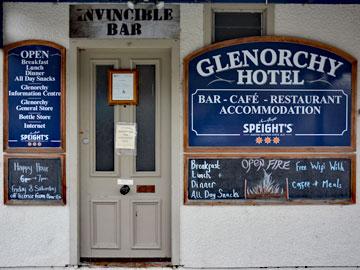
x: 34, y: 95
x: 270, y: 92
x: 117, y: 21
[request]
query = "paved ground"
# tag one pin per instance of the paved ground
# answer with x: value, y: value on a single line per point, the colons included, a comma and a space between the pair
x: 169, y: 268
x: 84, y: 268
x: 93, y: 267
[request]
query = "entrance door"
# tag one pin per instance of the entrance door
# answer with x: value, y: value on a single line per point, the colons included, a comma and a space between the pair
x: 135, y: 225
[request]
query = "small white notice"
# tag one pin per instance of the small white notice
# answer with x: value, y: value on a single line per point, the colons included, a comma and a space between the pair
x: 129, y: 182
x: 125, y: 138
x: 123, y: 86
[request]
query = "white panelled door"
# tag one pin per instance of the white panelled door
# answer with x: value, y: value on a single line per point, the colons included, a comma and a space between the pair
x: 137, y: 224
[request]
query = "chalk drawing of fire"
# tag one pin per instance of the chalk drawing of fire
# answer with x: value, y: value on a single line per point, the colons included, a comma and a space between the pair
x: 266, y: 188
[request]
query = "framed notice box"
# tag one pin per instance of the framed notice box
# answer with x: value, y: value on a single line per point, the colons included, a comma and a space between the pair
x: 123, y: 87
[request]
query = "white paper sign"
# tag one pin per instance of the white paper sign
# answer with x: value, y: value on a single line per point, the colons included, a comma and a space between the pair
x: 125, y: 136
x: 123, y: 86
x: 128, y: 182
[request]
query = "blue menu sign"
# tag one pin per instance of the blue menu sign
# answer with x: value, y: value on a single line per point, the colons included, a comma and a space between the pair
x: 269, y: 92
x: 34, y: 96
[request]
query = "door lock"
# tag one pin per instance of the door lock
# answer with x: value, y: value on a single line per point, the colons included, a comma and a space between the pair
x: 124, y: 189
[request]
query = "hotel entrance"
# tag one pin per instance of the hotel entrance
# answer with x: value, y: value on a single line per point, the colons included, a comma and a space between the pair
x: 125, y: 198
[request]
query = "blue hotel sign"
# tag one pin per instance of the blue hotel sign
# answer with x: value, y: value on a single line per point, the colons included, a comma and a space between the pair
x: 269, y: 92
x: 34, y: 95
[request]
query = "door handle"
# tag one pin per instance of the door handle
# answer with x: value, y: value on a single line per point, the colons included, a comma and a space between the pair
x: 124, y: 189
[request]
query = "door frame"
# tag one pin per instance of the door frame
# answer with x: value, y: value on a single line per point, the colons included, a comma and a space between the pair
x: 73, y: 129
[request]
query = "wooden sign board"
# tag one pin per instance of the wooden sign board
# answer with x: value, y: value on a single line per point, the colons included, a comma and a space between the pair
x: 34, y: 97
x: 269, y: 93
x: 270, y: 179
x: 34, y: 179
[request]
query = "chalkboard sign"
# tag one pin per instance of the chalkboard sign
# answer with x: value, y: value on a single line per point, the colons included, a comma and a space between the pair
x: 269, y: 93
x: 34, y: 179
x: 34, y: 97
x: 308, y: 179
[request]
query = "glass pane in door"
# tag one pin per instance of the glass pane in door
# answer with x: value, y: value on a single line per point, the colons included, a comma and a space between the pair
x: 145, y: 119
x: 104, y: 122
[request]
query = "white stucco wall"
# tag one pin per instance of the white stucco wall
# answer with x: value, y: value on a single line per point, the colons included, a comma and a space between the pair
x: 221, y: 236
x: 33, y: 235
x: 255, y: 236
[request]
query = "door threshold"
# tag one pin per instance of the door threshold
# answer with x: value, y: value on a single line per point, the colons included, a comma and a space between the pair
x: 127, y: 262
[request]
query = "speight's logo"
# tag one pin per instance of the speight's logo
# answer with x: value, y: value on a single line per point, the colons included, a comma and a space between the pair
x: 34, y: 138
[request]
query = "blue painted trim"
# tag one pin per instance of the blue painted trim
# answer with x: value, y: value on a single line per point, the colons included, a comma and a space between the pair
x: 202, y: 1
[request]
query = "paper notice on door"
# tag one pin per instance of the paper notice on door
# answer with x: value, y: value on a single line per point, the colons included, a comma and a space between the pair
x: 125, y: 136
x: 123, y: 86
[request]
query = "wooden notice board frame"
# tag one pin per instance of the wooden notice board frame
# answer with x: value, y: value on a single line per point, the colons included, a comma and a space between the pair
x: 135, y: 92
x: 8, y: 201
x: 295, y: 40
x: 62, y: 147
x: 352, y: 200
